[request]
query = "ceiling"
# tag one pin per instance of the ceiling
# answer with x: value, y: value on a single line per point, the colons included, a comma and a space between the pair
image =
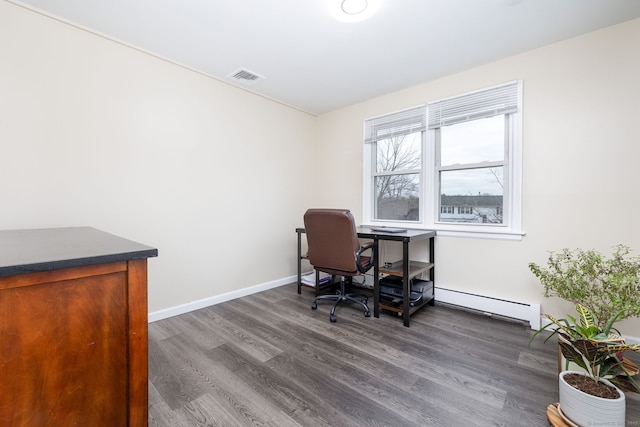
x: 317, y: 64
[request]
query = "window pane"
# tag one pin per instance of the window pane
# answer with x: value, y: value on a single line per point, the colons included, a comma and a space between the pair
x: 398, y: 197
x: 472, y: 195
x: 401, y: 152
x: 473, y: 142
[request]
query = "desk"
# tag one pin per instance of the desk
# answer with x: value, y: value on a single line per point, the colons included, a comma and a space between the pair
x: 409, y: 269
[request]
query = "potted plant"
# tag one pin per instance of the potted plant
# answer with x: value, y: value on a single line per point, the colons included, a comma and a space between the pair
x: 607, y: 287
x: 587, y: 398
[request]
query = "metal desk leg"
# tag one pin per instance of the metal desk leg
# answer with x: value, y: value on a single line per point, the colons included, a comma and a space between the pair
x: 432, y: 272
x: 376, y: 279
x: 406, y: 296
x: 299, y: 264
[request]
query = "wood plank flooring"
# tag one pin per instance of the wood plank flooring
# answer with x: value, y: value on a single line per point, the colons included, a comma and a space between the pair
x: 269, y: 360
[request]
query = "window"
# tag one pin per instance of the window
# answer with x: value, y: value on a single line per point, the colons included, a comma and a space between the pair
x: 396, y: 143
x: 460, y: 172
x: 465, y: 210
x: 470, y: 168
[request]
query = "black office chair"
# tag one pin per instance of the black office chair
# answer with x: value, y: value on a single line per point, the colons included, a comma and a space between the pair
x: 334, y: 248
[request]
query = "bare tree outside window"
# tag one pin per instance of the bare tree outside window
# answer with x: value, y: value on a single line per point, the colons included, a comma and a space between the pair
x: 397, y: 178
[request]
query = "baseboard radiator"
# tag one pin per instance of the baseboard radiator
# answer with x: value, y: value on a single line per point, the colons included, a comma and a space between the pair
x: 491, y: 306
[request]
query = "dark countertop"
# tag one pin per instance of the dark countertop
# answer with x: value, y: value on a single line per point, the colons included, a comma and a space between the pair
x: 29, y: 251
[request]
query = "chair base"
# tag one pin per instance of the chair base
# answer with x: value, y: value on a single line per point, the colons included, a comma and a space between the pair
x: 341, y: 297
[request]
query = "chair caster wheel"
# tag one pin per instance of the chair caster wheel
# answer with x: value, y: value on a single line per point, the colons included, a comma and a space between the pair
x: 367, y: 314
x: 314, y: 306
x: 333, y: 319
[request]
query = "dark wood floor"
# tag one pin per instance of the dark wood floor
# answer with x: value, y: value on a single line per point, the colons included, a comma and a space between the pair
x: 268, y: 359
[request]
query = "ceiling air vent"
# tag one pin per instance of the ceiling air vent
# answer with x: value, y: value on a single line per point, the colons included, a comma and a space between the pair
x: 245, y: 76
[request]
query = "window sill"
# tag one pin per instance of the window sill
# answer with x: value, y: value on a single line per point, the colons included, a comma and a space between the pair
x: 498, y: 233
x: 495, y: 235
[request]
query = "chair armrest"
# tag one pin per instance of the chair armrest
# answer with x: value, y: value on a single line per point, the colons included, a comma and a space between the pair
x: 365, y: 263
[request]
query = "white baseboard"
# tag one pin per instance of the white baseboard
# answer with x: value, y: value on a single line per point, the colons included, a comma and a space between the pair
x: 206, y: 302
x: 513, y: 309
x: 516, y: 310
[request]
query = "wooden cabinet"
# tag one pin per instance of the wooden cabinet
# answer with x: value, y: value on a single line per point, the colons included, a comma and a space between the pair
x: 73, y: 329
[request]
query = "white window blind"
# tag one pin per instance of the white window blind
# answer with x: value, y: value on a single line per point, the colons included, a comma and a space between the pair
x: 400, y: 123
x: 480, y: 104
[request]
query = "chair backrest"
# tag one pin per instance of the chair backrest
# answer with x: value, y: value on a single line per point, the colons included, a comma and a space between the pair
x: 333, y: 240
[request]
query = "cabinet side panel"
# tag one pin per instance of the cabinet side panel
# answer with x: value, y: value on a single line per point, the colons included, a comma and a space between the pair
x: 63, y: 353
x: 138, y: 343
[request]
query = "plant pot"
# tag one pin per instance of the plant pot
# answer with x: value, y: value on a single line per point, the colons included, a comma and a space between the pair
x: 587, y: 410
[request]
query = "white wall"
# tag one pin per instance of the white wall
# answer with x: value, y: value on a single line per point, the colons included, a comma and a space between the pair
x: 581, y: 151
x: 99, y: 134
x: 96, y: 133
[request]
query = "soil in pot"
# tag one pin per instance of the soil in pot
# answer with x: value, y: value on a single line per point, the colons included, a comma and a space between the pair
x: 591, y: 387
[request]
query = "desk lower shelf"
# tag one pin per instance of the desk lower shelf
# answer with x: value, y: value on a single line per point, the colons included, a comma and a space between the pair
x: 415, y: 268
x: 397, y: 307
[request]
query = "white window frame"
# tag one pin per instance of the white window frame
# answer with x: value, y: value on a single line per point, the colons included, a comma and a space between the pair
x: 369, y: 166
x: 511, y: 229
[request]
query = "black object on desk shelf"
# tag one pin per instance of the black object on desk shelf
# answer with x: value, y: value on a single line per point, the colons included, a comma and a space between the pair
x: 391, y: 290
